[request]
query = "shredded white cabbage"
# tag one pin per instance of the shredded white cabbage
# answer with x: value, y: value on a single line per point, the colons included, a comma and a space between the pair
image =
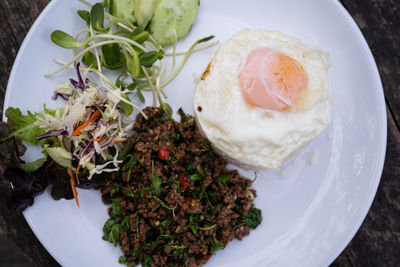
x: 94, y: 124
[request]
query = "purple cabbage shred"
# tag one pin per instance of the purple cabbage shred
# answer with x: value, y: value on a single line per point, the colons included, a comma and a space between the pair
x: 86, y: 149
x: 101, y: 106
x: 109, y: 142
x: 94, y: 159
x: 63, y: 96
x: 52, y: 133
x: 78, y: 84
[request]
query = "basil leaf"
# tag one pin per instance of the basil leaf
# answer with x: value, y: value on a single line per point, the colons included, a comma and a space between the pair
x: 137, y: 252
x: 126, y: 226
x: 196, y: 177
x: 224, y: 178
x: 155, y: 182
x: 203, y: 189
x: 165, y: 224
x: 123, y: 260
x: 190, y: 167
x: 156, y: 185
x: 193, y: 227
x: 130, y: 194
x: 114, y: 234
x: 132, y: 162
x: 254, y: 218
x: 114, y: 190
x: 115, y: 207
x: 107, y: 228
x: 216, y: 245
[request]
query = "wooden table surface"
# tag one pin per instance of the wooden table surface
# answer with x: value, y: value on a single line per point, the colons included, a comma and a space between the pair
x: 377, y: 243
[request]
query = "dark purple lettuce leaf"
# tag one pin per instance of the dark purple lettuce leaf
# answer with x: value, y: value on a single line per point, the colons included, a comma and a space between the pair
x: 24, y: 187
x: 20, y: 187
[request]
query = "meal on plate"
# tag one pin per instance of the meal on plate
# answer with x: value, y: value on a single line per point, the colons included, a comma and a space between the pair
x: 172, y: 202
x: 270, y: 98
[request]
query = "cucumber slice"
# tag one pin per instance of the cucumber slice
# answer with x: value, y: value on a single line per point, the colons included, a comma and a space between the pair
x: 123, y: 9
x: 170, y: 15
x: 144, y: 10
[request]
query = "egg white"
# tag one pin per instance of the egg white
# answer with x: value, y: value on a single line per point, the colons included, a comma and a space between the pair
x: 253, y: 137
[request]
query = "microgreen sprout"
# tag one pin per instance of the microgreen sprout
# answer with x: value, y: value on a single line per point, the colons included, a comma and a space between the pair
x: 117, y: 44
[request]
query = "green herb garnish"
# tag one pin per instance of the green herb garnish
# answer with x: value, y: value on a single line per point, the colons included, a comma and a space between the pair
x: 224, y: 178
x: 156, y: 182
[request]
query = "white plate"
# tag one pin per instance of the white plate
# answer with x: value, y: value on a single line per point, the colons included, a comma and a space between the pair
x: 310, y: 217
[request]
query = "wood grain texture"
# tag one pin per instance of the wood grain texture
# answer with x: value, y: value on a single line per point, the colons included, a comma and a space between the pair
x: 377, y: 242
x: 379, y: 21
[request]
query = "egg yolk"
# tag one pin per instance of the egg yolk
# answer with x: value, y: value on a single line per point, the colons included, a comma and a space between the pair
x: 271, y: 80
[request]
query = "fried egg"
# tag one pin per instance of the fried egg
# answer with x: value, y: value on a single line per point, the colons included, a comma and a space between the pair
x: 263, y: 98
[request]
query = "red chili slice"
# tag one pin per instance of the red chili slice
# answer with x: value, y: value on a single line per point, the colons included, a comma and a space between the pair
x: 163, y: 153
x: 203, y: 259
x: 184, y: 181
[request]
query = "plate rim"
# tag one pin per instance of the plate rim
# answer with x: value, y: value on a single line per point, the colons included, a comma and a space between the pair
x: 382, y: 157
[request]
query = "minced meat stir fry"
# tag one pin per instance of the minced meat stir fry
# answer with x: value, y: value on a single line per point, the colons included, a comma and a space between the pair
x: 174, y: 204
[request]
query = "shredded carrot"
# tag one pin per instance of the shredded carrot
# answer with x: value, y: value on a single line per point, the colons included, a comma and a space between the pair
x: 86, y: 123
x: 119, y: 141
x: 72, y: 181
x: 77, y: 171
x: 97, y: 139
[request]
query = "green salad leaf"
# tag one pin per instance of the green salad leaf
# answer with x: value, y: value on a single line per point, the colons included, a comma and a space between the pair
x: 60, y: 155
x: 34, y: 165
x: 23, y: 126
